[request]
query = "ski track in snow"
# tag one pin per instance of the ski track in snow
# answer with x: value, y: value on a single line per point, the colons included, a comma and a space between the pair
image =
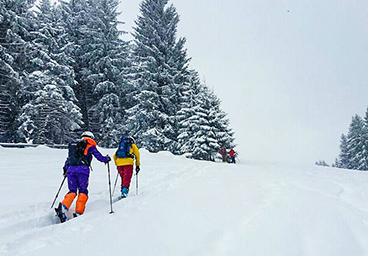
x: 184, y: 207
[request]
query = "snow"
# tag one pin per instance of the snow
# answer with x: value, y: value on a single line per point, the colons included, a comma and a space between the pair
x: 184, y: 207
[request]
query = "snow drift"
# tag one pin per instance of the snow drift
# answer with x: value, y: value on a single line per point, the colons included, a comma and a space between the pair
x: 184, y: 207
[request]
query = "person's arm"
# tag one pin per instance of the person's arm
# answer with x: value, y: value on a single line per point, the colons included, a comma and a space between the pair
x: 98, y: 155
x: 137, y: 155
x: 115, y: 158
x: 66, y: 166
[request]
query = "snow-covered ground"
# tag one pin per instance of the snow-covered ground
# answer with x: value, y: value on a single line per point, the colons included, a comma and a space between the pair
x: 185, y: 207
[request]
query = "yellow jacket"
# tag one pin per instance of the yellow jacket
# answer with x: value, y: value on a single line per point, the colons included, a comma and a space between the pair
x: 129, y: 161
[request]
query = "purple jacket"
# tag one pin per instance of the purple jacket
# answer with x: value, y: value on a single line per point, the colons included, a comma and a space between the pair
x: 84, y: 169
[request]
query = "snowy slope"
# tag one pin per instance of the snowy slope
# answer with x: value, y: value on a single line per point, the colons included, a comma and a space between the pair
x: 185, y: 207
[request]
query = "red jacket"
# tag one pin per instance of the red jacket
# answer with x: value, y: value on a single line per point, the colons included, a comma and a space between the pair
x: 232, y: 152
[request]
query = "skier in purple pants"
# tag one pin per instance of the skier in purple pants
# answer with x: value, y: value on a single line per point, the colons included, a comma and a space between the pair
x: 78, y: 175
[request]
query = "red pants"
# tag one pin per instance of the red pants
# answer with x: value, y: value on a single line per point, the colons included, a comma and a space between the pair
x: 126, y: 173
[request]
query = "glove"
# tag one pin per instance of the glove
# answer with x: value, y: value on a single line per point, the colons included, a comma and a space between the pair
x: 108, y: 159
x: 137, y: 169
x: 64, y: 171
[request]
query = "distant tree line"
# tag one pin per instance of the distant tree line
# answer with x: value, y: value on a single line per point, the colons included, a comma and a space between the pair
x: 321, y: 163
x: 354, y: 145
x: 64, y: 68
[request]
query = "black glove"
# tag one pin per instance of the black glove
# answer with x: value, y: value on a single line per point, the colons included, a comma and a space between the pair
x: 108, y: 159
x: 64, y: 171
x: 137, y: 169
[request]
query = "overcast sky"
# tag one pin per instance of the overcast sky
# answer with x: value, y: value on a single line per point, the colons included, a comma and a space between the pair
x: 290, y: 74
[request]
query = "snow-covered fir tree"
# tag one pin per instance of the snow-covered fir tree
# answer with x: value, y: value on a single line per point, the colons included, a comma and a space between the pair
x: 76, y: 19
x: 15, y: 25
x: 49, y: 118
x: 45, y: 73
x: 343, y: 161
x: 161, y: 69
x: 321, y: 163
x: 108, y: 59
x: 205, y: 127
x: 65, y: 68
x: 100, y: 63
x: 356, y: 144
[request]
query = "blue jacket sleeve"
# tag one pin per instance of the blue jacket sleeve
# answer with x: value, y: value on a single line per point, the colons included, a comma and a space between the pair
x: 98, y: 155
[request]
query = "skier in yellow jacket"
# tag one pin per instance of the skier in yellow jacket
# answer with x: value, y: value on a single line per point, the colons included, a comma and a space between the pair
x: 124, y: 160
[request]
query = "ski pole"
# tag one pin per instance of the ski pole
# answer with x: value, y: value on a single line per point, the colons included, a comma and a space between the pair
x: 108, y: 170
x: 116, y: 180
x: 62, y: 183
x: 136, y: 184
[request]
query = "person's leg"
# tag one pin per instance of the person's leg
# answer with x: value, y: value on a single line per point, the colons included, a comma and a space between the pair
x: 73, y: 186
x: 83, y: 193
x: 121, y: 174
x: 127, y: 175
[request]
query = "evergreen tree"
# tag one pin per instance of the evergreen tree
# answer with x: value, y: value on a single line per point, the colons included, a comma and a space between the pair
x: 322, y: 163
x: 205, y: 127
x: 344, y: 159
x: 161, y: 69
x: 75, y: 17
x: 107, y: 58
x: 45, y: 73
x: 187, y: 116
x: 101, y: 61
x: 356, y: 144
x: 49, y: 118
x: 15, y: 26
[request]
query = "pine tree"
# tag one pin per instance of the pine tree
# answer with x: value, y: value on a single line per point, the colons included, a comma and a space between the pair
x: 15, y: 26
x: 45, y: 73
x: 161, y: 69
x: 356, y: 144
x: 187, y: 116
x: 100, y: 61
x: 204, y: 127
x: 343, y: 161
x: 75, y: 17
x: 108, y: 59
x: 49, y: 118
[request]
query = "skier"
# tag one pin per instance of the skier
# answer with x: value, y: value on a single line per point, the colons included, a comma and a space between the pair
x: 222, y: 152
x: 232, y: 156
x: 124, y: 161
x: 77, y: 169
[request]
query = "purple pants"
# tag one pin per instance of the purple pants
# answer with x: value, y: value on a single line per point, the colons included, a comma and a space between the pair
x: 78, y: 181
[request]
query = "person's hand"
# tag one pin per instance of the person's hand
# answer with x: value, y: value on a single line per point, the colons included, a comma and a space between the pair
x: 64, y: 171
x: 108, y: 159
x: 137, y: 169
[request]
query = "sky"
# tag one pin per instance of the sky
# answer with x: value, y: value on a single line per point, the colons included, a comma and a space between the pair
x: 290, y: 74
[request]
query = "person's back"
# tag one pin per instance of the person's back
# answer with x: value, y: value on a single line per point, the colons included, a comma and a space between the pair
x: 77, y: 169
x: 232, y: 156
x: 222, y: 152
x: 124, y: 161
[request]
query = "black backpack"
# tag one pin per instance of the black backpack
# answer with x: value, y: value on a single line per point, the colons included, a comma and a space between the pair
x: 76, y: 153
x: 124, y: 148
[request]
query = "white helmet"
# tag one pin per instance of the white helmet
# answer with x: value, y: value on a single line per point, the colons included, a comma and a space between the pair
x: 88, y: 135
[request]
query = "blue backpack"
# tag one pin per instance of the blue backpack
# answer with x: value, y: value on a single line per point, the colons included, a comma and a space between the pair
x: 124, y: 148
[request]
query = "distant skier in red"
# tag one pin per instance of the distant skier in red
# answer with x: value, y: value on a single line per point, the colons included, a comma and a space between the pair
x: 232, y: 156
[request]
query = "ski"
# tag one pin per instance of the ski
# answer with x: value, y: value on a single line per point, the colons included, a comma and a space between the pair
x: 60, y: 214
x: 117, y: 199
